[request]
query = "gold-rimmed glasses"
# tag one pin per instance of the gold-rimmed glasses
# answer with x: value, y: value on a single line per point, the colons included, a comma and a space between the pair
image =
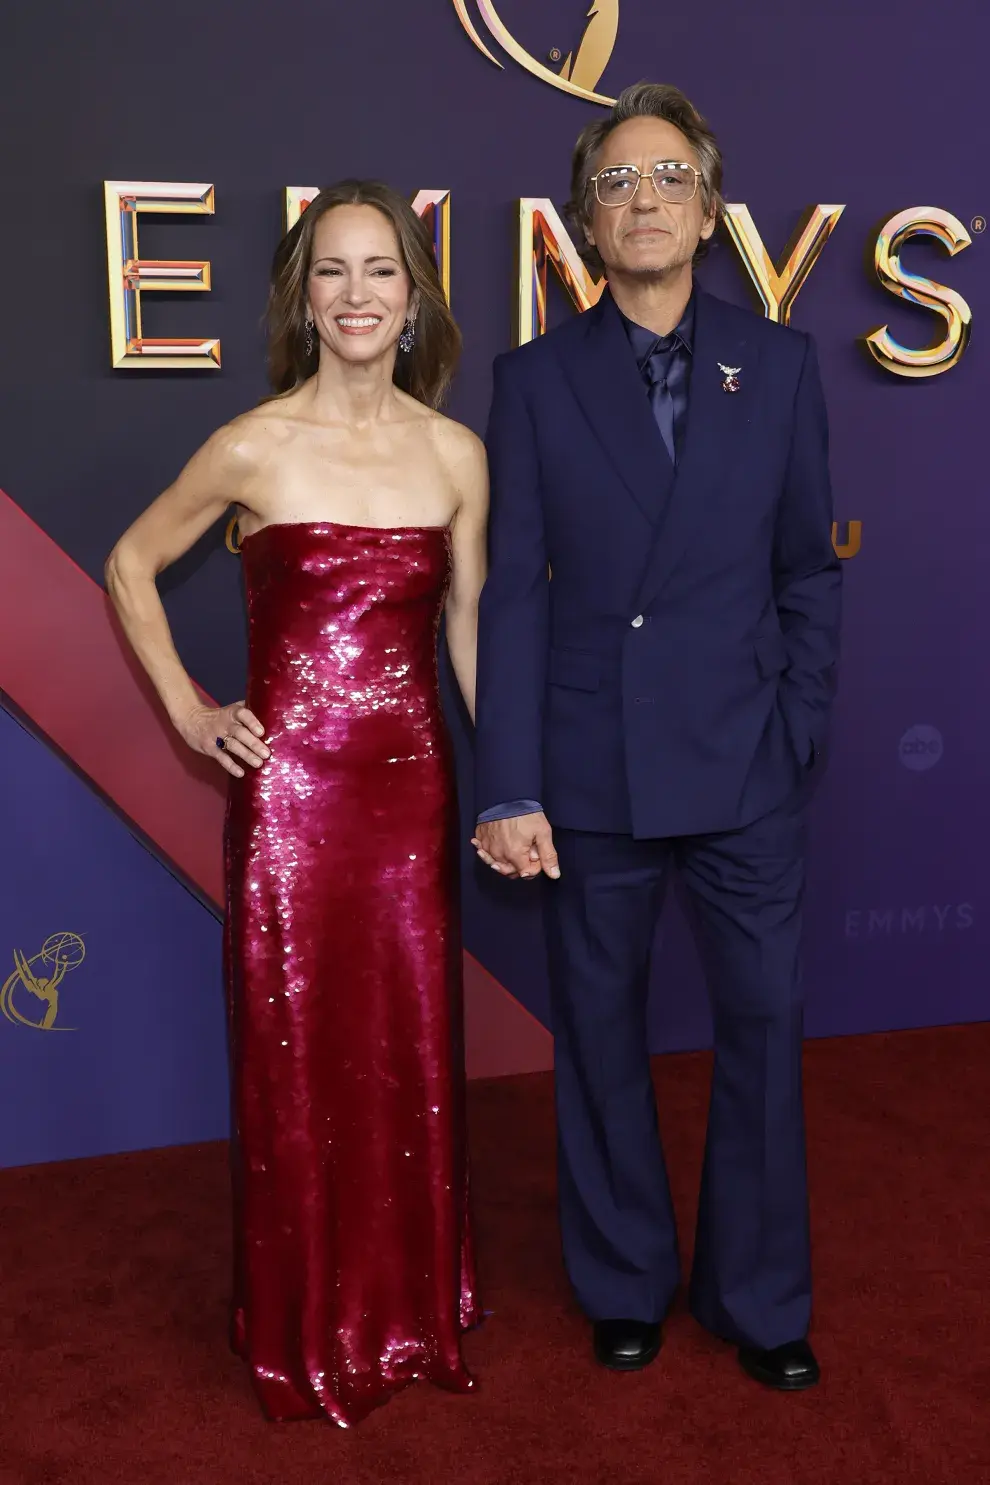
x: 673, y: 180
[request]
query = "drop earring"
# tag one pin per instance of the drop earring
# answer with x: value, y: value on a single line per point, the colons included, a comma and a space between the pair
x: 309, y: 326
x: 408, y: 337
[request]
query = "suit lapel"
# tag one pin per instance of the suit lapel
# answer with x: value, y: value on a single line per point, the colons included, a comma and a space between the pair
x: 602, y: 370
x: 717, y: 422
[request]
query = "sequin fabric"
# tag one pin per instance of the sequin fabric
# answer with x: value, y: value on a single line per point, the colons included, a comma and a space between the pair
x: 353, y: 1266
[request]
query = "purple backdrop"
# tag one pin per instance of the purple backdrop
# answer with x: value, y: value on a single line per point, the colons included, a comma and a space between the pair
x: 811, y: 106
x: 136, y: 1055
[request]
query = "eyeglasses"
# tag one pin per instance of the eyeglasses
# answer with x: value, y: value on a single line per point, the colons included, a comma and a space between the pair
x: 673, y: 180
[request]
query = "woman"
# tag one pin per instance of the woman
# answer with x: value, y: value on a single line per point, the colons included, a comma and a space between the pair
x: 362, y: 515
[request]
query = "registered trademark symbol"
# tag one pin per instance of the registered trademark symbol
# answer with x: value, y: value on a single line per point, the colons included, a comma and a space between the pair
x: 979, y: 224
x: 556, y: 54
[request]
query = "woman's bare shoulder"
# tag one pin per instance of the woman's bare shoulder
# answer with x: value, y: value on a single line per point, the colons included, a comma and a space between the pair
x: 462, y: 456
x: 456, y: 444
x: 246, y: 443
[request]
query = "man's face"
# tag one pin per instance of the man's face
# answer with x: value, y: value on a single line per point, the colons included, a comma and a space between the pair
x: 645, y: 235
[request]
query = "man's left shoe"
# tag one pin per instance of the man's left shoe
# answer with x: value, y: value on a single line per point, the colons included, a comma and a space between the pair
x: 626, y: 1345
x: 788, y: 1368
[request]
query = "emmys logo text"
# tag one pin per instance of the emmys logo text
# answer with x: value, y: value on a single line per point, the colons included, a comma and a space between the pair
x: 934, y: 923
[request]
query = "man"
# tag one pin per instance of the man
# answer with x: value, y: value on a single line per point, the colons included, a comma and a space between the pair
x: 659, y: 635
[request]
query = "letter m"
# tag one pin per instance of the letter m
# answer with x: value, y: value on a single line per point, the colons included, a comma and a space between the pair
x: 544, y: 242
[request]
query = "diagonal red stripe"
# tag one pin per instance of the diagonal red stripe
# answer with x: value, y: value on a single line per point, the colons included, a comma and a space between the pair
x: 65, y: 664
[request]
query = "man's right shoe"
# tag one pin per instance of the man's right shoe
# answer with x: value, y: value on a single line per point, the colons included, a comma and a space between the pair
x: 789, y: 1368
x: 626, y: 1345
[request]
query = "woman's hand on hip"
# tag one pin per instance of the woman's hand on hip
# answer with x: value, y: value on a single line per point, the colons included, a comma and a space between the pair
x: 230, y: 734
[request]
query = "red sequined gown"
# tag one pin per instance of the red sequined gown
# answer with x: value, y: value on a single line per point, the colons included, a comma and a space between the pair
x: 353, y: 1268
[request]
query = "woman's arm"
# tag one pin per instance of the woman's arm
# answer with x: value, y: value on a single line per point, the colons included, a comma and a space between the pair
x: 468, y: 469
x: 213, y: 479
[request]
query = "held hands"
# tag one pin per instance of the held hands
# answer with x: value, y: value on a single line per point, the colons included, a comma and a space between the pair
x: 242, y: 734
x: 518, y: 847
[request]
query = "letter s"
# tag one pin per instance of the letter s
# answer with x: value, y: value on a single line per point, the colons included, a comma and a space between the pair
x: 942, y: 355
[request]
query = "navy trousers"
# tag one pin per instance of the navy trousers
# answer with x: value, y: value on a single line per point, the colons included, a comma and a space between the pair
x: 751, y: 1279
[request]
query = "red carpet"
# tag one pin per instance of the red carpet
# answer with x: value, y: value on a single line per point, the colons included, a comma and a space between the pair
x: 113, y: 1314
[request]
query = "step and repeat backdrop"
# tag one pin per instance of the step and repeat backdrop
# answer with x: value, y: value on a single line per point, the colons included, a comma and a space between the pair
x: 153, y: 159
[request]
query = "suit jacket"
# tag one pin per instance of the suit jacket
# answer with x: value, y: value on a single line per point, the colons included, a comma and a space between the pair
x: 657, y: 648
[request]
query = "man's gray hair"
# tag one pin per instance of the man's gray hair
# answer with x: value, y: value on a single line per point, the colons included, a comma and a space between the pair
x: 643, y: 101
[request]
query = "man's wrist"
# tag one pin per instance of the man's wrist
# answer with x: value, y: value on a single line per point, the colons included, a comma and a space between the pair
x: 509, y: 810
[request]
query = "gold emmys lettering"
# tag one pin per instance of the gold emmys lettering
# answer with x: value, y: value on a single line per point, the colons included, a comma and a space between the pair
x: 30, y: 995
x: 543, y: 239
x: 543, y: 242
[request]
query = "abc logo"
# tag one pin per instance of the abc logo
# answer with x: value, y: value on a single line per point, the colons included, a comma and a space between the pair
x: 921, y: 747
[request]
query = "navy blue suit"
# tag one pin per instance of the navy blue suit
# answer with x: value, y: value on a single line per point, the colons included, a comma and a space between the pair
x: 656, y: 663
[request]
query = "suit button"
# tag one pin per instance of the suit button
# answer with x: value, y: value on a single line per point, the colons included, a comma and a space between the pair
x: 637, y: 623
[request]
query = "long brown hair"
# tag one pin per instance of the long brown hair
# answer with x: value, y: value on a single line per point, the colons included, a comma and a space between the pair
x: 424, y: 372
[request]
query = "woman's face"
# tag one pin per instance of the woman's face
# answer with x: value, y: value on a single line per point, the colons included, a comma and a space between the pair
x: 359, y: 292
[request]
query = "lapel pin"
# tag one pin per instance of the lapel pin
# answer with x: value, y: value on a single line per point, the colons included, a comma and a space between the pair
x: 731, y: 374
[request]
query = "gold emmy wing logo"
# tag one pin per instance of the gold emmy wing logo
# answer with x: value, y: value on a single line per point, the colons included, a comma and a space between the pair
x: 582, y: 67
x: 29, y: 996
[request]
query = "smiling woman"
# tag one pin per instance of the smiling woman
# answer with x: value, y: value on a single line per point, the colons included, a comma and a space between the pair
x: 363, y: 518
x: 305, y: 284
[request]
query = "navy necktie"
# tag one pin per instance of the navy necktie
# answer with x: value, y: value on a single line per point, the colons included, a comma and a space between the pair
x: 658, y: 372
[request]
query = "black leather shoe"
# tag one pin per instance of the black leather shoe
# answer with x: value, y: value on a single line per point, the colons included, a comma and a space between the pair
x: 789, y: 1368
x: 626, y: 1345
